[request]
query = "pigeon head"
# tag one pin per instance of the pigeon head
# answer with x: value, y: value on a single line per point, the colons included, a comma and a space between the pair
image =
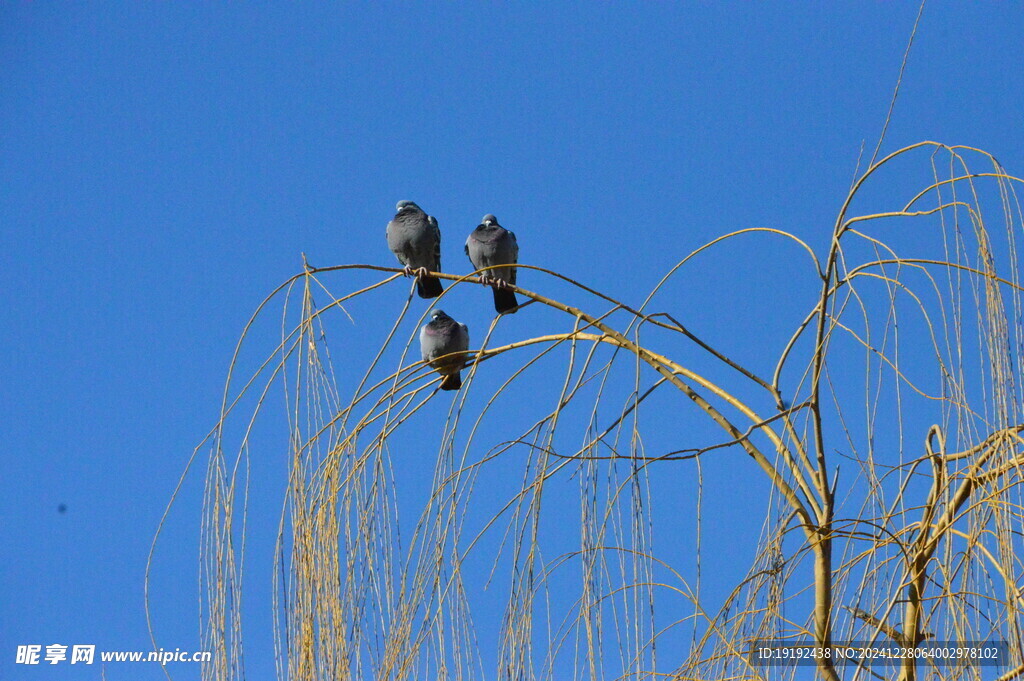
x: 438, y: 314
x: 402, y: 205
x: 489, y: 219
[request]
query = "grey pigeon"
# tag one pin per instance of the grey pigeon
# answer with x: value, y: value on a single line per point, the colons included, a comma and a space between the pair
x: 413, y: 236
x: 440, y: 336
x: 491, y: 244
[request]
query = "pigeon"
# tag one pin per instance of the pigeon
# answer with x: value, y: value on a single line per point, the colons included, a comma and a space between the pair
x: 413, y: 236
x: 440, y: 336
x: 491, y: 244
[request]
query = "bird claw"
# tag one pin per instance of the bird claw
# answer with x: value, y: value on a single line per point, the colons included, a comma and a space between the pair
x: 422, y: 272
x: 501, y: 283
x: 407, y: 271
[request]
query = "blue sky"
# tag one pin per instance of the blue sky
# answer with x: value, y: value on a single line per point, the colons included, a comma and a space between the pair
x: 165, y: 165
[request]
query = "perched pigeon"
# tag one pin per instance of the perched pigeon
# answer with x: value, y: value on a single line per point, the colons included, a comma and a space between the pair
x: 414, y: 238
x: 440, y: 336
x: 491, y: 244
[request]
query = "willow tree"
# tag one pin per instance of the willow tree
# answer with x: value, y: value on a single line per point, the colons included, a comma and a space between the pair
x: 887, y: 429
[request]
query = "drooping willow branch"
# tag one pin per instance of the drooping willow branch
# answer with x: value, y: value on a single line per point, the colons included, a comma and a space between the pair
x: 336, y: 559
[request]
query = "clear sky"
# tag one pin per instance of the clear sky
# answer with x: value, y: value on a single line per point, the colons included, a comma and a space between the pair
x: 164, y: 165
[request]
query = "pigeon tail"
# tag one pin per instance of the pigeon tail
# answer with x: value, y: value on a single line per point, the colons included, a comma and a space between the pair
x: 504, y: 300
x: 429, y: 287
x: 452, y: 381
